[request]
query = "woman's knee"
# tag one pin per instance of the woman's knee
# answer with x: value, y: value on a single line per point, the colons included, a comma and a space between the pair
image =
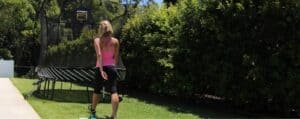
x: 115, y: 97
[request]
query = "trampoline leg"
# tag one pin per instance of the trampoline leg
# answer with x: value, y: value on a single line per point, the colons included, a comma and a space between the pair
x: 61, y: 85
x: 45, y: 85
x: 71, y: 86
x: 103, y: 93
x: 38, y: 89
x: 88, y: 94
x: 48, y: 88
x: 53, y: 87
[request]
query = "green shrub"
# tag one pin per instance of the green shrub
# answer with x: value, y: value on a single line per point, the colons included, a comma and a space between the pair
x: 245, y: 51
x: 5, y: 54
x: 148, y: 42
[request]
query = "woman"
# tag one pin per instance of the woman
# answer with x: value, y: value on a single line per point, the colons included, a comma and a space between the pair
x: 107, y: 52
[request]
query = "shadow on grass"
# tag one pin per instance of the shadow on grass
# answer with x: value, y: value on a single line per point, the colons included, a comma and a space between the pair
x: 205, y: 107
x: 65, y: 95
x: 172, y: 104
x: 185, y: 106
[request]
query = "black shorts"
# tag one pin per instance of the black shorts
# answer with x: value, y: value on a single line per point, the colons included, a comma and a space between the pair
x: 110, y: 84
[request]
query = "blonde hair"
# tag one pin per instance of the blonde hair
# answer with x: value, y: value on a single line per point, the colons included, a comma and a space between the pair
x: 105, y: 29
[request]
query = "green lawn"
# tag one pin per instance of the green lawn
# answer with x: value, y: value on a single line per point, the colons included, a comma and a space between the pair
x: 73, y: 104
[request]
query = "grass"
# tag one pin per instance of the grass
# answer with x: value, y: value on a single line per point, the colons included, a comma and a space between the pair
x: 73, y: 104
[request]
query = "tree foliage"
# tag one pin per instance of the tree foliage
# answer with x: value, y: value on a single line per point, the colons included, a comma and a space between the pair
x: 21, y: 27
x: 79, y: 51
x: 17, y: 29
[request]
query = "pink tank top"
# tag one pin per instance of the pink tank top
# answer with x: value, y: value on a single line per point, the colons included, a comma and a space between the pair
x: 107, y: 58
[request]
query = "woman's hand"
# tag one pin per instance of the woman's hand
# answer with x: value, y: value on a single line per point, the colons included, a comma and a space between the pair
x: 104, y: 75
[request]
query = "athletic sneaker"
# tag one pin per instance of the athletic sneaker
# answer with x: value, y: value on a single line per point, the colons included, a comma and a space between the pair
x: 93, y: 116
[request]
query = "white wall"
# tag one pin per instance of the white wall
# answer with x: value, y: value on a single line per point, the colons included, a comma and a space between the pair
x: 6, y: 68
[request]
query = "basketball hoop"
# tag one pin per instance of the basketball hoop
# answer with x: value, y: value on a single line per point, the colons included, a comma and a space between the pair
x: 81, y: 15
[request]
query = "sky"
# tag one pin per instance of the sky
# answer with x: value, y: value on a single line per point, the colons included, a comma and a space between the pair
x: 158, y: 1
x: 144, y: 2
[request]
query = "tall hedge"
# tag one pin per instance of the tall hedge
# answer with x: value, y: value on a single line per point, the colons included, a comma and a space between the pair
x: 148, y: 42
x: 246, y: 51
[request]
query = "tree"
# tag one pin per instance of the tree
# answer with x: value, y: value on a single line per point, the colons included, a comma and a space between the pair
x: 45, y: 9
x: 17, y: 29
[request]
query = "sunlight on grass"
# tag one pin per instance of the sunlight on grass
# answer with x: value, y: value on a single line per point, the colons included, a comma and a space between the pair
x: 73, y: 104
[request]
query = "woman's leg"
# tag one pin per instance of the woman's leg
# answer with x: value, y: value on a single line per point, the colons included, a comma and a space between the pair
x: 114, y: 104
x: 95, y: 101
x: 112, y: 85
x: 97, y: 84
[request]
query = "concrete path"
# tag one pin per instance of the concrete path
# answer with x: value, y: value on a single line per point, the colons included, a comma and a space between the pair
x: 12, y: 103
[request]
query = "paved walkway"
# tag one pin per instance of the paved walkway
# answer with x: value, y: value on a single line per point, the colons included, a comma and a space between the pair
x: 12, y: 103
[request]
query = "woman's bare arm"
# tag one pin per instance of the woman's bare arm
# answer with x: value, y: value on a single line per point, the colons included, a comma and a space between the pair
x: 98, y: 52
x: 117, y: 45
